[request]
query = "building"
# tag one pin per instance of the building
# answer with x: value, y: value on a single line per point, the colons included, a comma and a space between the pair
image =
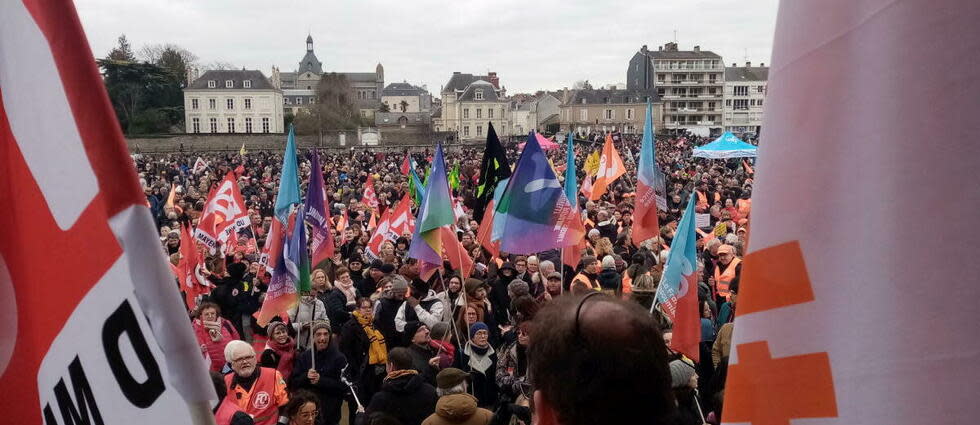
x: 745, y: 90
x: 469, y: 102
x: 690, y: 82
x: 233, y: 101
x: 533, y: 112
x: 404, y: 97
x: 600, y: 110
x: 299, y: 87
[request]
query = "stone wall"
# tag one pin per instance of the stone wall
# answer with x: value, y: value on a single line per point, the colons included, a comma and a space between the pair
x: 390, y: 137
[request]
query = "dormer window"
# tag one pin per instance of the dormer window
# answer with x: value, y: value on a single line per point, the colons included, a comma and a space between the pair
x: 212, y: 84
x: 478, y: 95
x: 229, y: 84
x: 583, y: 100
x: 247, y: 84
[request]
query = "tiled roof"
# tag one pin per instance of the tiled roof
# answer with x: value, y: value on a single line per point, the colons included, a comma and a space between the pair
x: 747, y: 73
x: 237, y: 76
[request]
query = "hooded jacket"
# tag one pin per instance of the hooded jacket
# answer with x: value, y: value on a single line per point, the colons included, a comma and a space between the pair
x: 458, y: 409
x: 406, y: 398
x: 330, y: 390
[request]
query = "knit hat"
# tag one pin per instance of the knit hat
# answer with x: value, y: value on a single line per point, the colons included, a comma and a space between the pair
x: 272, y: 327
x: 518, y: 287
x: 387, y: 268
x: 320, y: 324
x: 472, y: 284
x: 680, y: 373
x: 608, y: 262
x: 399, y: 283
x: 476, y: 327
x: 450, y: 377
x: 411, y: 328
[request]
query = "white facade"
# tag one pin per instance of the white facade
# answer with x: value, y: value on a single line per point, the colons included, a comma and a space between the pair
x: 745, y: 93
x: 233, y: 102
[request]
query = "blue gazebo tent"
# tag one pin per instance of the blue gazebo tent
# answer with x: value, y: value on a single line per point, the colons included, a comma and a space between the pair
x: 726, y: 146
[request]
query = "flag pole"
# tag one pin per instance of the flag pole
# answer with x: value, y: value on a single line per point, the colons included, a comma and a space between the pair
x: 561, y: 265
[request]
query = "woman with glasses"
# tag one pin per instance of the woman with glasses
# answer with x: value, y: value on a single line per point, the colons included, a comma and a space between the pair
x: 301, y: 409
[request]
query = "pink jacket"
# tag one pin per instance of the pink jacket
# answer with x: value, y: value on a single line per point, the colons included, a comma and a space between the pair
x: 215, y: 349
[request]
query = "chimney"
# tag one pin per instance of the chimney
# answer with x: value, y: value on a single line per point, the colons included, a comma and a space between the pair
x: 734, y: 64
x: 660, y: 48
x: 643, y: 49
x: 748, y: 64
x: 697, y: 49
x: 493, y: 79
x: 762, y: 64
x: 455, y: 72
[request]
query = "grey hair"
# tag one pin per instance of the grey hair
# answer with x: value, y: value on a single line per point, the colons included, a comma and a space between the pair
x: 458, y: 389
x: 236, y: 346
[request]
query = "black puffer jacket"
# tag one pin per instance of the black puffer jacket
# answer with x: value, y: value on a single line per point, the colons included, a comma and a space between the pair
x: 407, y: 398
x: 610, y: 279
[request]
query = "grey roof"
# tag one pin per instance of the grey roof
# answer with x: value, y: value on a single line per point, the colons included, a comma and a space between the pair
x: 489, y: 91
x: 683, y: 54
x: 310, y: 63
x: 746, y: 73
x: 401, y: 89
x: 602, y: 96
x: 259, y: 82
x: 459, y: 81
x: 360, y: 76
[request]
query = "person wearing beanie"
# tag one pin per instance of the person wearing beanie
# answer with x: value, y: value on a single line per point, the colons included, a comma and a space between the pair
x: 455, y: 405
x: 588, y: 273
x: 321, y: 377
x: 499, y: 298
x: 684, y: 382
x: 425, y: 357
x: 479, y: 359
x: 280, y: 349
x: 371, y: 281
x: 610, y: 280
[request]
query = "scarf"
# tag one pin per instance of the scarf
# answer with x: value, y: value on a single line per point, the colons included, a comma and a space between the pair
x: 479, y: 357
x: 377, y: 351
x: 349, y: 293
x: 399, y: 373
x: 286, y: 352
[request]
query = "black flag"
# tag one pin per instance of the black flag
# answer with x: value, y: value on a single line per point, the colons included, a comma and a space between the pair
x: 493, y: 169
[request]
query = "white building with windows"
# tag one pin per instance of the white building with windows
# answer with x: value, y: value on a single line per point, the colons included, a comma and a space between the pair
x: 469, y: 103
x: 745, y: 91
x: 233, y: 101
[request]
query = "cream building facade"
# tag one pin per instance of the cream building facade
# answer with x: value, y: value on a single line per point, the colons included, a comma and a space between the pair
x: 589, y: 110
x: 469, y: 103
x: 233, y: 101
x: 745, y: 94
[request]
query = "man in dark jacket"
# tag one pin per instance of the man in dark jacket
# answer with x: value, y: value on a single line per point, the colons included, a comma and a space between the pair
x: 404, y: 394
x: 387, y: 307
x: 499, y: 298
x: 425, y: 358
x: 324, y: 379
x: 609, y: 278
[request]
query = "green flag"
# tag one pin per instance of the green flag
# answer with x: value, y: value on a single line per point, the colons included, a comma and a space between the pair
x: 454, y: 178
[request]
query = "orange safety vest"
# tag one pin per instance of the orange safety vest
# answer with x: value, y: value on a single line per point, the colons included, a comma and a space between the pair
x: 744, y: 206
x: 261, y: 402
x: 724, y: 280
x: 627, y: 285
x: 584, y: 278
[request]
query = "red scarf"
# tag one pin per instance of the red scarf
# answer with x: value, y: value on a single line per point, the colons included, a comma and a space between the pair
x: 286, y: 353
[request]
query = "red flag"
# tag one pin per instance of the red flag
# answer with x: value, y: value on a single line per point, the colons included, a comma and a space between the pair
x: 192, y: 281
x: 380, y: 235
x: 115, y: 344
x: 402, y: 221
x: 610, y: 168
x: 370, y: 198
x: 224, y: 214
x: 405, y: 165
x: 454, y: 251
x: 486, y: 230
x: 273, y: 245
x: 239, y: 170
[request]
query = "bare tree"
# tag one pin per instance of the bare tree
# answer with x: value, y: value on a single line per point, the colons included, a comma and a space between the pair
x: 153, y: 53
x: 217, y: 66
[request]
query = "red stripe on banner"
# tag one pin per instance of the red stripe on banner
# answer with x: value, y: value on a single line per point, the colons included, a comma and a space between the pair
x: 99, y: 130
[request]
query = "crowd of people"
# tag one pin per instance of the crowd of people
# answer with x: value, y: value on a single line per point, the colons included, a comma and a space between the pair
x: 523, y: 335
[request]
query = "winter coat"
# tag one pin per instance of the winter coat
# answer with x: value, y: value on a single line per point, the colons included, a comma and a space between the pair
x: 215, y: 350
x: 429, y: 311
x: 610, y: 279
x: 304, y: 313
x: 484, y: 383
x: 723, y: 344
x: 458, y: 409
x: 330, y: 390
x: 384, y: 320
x: 407, y: 398
x: 338, y: 310
x: 510, y: 379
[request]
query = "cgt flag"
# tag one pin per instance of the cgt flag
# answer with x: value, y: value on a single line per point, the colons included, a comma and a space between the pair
x: 677, y: 293
x: 114, y: 345
x: 859, y: 227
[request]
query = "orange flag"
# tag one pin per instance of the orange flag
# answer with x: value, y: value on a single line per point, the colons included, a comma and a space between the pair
x: 610, y: 168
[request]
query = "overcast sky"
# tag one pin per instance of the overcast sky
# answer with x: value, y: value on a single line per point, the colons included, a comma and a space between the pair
x: 531, y: 44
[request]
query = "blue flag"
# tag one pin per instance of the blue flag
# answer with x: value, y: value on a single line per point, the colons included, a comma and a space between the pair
x: 289, y: 180
x: 571, y: 184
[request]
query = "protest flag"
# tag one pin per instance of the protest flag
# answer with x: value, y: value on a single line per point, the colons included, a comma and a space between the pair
x: 435, y: 215
x: 835, y: 237
x: 648, y: 179
x: 493, y: 169
x: 370, y: 198
x: 114, y: 345
x: 677, y: 293
x: 572, y: 254
x: 610, y: 168
x: 405, y: 165
x: 454, y: 178
x: 289, y: 180
x: 283, y: 292
x: 318, y: 215
x: 192, y: 281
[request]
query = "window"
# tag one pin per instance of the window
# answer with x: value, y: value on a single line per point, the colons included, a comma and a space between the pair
x: 466, y: 131
x: 247, y: 84
x: 490, y: 113
x: 312, y: 100
x: 583, y: 115
x: 265, y: 125
x: 196, y: 125
x: 248, y: 103
x: 752, y: 102
x: 248, y: 124
x: 231, y: 125
x: 479, y: 130
x: 610, y: 114
x: 583, y: 101
x: 741, y: 104
x: 728, y: 102
x: 629, y: 114
x: 759, y: 89
x: 479, y: 113
x: 214, y: 125
x: 363, y: 113
x: 212, y: 104
x: 286, y: 101
x: 478, y: 95
x: 758, y: 102
x: 212, y: 84
x: 373, y: 94
x: 466, y: 113
x: 230, y: 103
x: 229, y: 84
x: 193, y: 103
x: 299, y: 100
x: 741, y: 90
